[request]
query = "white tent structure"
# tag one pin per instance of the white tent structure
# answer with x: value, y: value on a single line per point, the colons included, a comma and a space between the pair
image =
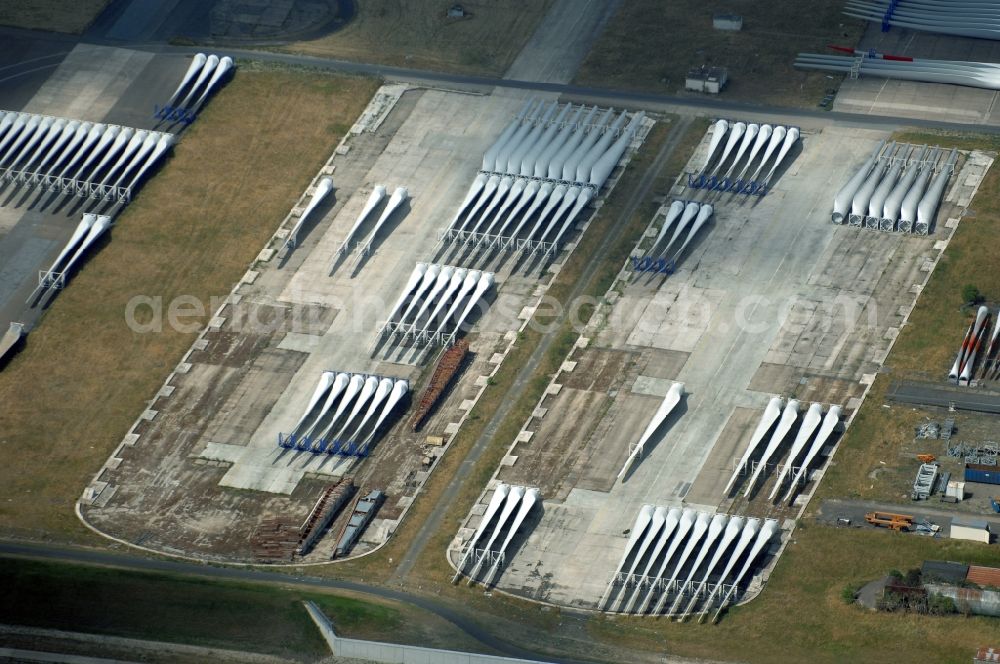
x: 102, y: 162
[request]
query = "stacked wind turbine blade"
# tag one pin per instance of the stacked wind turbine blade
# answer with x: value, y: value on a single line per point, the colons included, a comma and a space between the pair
x: 539, y: 175
x: 961, y: 18
x: 826, y: 429
x: 670, y: 401
x: 958, y: 369
x: 342, y: 407
x: 971, y: 74
x: 436, y: 303
x: 771, y: 414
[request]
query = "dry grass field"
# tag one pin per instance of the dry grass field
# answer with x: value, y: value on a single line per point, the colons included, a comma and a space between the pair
x: 649, y: 45
x: 71, y: 394
x: 419, y: 34
x: 55, y: 15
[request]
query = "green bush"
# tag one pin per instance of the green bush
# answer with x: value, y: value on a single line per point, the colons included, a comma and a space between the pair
x: 940, y: 605
x: 971, y: 294
x: 849, y: 594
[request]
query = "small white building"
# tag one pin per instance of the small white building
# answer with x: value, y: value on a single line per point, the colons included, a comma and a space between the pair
x: 727, y: 22
x: 706, y: 79
x: 970, y: 529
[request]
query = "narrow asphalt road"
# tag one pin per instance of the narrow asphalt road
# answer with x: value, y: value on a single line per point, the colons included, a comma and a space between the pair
x: 626, y: 98
x: 73, y: 555
x: 855, y: 510
x: 634, y: 99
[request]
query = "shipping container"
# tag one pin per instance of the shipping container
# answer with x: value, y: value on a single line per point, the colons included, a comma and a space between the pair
x: 970, y: 529
x: 982, y: 474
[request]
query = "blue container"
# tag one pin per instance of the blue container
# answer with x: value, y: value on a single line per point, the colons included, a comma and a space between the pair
x: 982, y: 474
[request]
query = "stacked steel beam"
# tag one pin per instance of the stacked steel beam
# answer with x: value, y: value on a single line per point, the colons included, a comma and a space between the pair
x: 275, y: 539
x: 445, y: 370
x: 330, y: 501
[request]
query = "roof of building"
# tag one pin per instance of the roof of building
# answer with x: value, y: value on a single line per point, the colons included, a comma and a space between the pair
x: 946, y: 571
x: 970, y: 523
x: 985, y: 654
x: 984, y: 576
